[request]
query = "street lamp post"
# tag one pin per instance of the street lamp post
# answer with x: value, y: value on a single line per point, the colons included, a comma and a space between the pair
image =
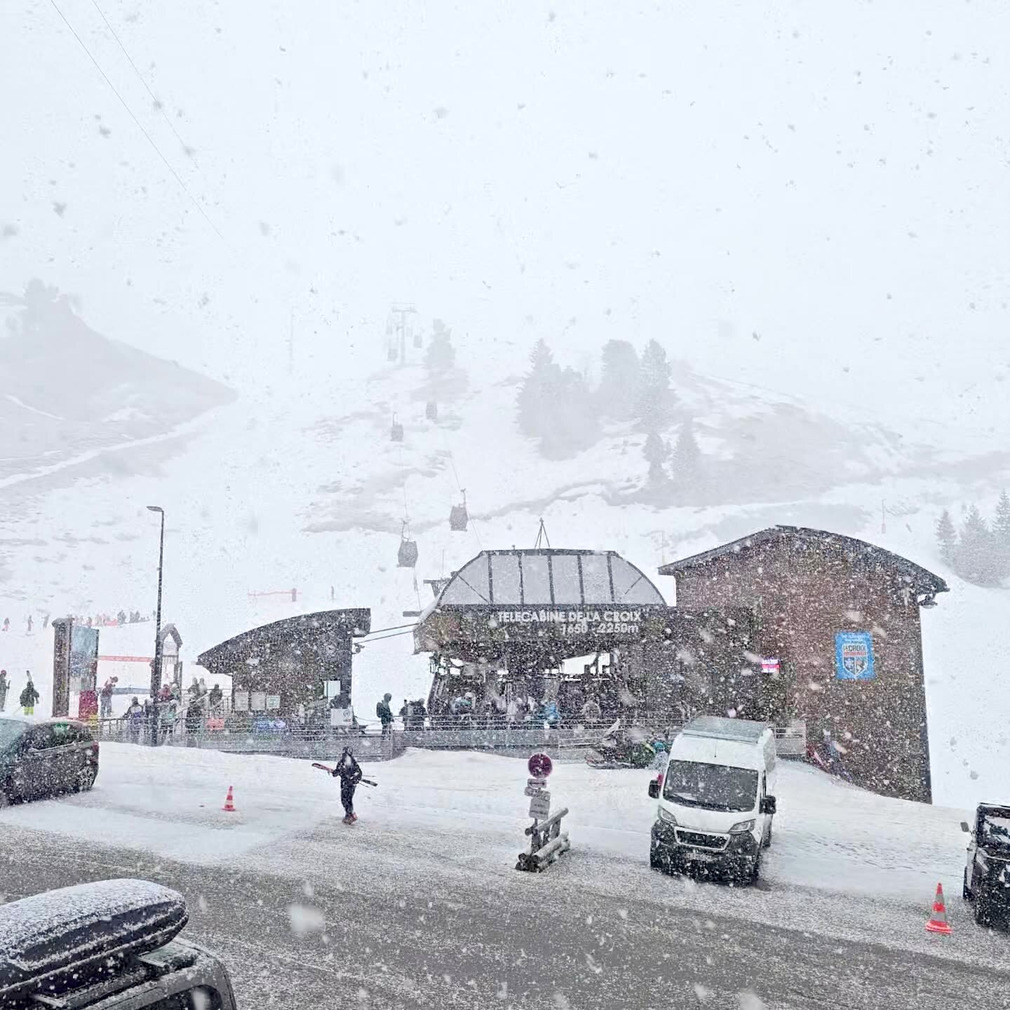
x: 156, y: 664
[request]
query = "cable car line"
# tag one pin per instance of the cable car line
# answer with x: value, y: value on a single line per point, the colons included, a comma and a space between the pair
x: 140, y: 126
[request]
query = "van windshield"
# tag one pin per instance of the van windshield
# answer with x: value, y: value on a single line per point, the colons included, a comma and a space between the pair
x: 996, y: 831
x: 714, y: 787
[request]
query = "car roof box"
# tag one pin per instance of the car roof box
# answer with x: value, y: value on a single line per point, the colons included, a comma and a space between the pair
x: 719, y: 728
x: 57, y: 940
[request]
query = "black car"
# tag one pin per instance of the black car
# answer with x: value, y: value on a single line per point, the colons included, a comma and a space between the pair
x: 987, y: 873
x: 41, y: 759
x: 108, y: 945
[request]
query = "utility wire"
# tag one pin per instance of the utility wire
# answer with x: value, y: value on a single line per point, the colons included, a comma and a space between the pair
x: 140, y: 126
x: 154, y: 98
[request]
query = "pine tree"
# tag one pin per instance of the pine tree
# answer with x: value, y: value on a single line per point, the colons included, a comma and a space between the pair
x: 555, y: 405
x: 974, y: 559
x: 687, y: 471
x: 540, y: 387
x: 570, y: 416
x: 946, y: 537
x: 619, y: 382
x: 655, y: 451
x: 655, y: 398
x: 441, y: 355
x: 1001, y: 534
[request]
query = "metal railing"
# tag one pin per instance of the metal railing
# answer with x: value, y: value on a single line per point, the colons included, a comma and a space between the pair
x: 273, y: 736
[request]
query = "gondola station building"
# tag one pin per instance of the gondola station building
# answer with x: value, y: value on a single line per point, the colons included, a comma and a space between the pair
x: 836, y: 640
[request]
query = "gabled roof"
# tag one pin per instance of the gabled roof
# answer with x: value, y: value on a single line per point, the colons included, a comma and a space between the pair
x: 171, y: 631
x: 922, y: 580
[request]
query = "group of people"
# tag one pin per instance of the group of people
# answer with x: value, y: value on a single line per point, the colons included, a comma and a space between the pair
x: 112, y: 620
x: 29, y: 624
x: 28, y: 698
x: 98, y: 621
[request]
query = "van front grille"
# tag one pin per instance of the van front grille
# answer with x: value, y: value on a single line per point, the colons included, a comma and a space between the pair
x: 700, y: 840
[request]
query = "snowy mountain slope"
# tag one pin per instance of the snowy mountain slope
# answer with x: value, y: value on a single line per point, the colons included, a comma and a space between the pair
x: 66, y: 391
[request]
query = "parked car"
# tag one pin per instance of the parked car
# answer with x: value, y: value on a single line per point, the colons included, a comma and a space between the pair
x: 113, y: 945
x: 716, y: 800
x: 987, y: 869
x: 45, y: 758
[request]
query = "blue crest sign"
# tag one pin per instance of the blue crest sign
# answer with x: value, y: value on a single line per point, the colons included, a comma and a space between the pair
x: 854, y: 655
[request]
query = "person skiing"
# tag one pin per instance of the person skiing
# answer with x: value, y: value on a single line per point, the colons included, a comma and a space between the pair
x: 7, y: 624
x: 29, y: 696
x: 385, y: 714
x: 349, y: 772
x: 4, y: 688
x: 30, y: 623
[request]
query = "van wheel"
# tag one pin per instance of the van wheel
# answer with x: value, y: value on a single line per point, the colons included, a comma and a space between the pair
x: 755, y: 871
x: 982, y: 916
x: 766, y: 842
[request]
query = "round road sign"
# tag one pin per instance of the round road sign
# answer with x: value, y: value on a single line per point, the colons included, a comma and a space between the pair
x: 540, y: 766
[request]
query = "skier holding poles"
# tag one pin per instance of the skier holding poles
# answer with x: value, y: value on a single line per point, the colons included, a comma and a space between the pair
x: 349, y: 772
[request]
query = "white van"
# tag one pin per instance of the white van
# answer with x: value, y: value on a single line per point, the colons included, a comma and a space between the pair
x: 716, y: 798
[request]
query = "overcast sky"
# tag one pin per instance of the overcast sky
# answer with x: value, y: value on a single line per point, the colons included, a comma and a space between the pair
x: 777, y: 191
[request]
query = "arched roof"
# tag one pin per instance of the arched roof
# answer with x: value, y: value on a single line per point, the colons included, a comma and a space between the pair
x: 547, y: 577
x: 304, y: 631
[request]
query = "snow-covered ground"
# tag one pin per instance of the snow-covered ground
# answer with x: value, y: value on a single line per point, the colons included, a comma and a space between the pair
x: 844, y: 862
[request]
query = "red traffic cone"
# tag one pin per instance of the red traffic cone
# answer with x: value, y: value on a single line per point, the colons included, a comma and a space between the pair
x: 229, y: 803
x: 938, y: 920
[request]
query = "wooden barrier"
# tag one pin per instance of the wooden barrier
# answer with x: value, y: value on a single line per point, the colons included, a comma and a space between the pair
x: 547, y: 843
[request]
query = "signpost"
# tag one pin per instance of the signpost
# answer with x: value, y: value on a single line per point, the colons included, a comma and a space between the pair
x: 547, y: 840
x: 540, y: 805
x: 540, y: 766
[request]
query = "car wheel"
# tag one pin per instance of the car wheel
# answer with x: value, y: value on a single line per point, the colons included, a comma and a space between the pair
x: 85, y: 778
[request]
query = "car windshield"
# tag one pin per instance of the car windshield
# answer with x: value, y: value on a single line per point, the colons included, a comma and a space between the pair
x: 10, y: 730
x: 714, y: 787
x: 996, y: 831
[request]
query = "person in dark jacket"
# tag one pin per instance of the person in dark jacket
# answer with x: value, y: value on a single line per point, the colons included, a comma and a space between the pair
x: 385, y: 714
x: 29, y: 696
x: 349, y: 772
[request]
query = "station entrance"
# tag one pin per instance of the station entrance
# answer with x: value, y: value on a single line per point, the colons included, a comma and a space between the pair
x: 571, y: 637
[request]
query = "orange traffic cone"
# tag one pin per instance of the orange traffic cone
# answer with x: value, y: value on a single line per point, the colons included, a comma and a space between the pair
x: 229, y: 803
x: 938, y: 920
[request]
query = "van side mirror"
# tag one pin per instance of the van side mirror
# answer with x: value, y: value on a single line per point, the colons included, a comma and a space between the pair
x: 767, y: 805
x: 653, y: 790
x: 964, y: 827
